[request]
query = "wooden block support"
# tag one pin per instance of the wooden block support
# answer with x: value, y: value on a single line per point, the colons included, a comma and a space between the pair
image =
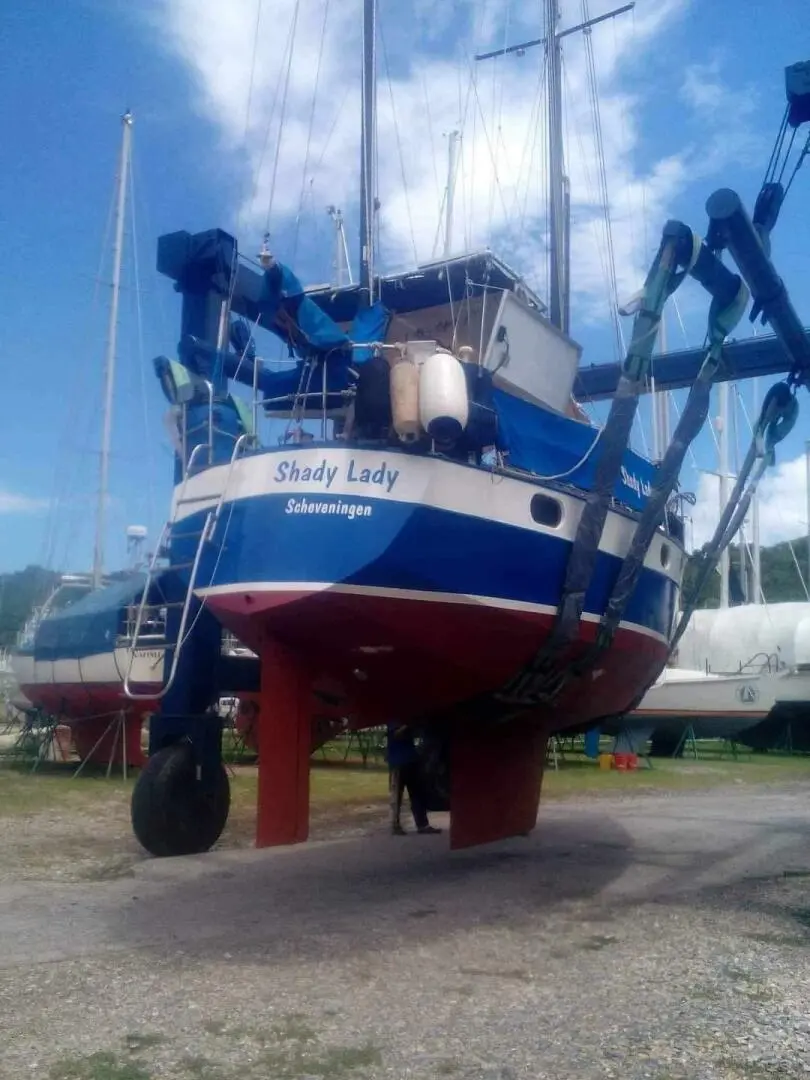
x: 495, y: 777
x: 285, y: 744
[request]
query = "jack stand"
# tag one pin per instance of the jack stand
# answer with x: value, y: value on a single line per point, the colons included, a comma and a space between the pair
x: 118, y: 727
x: 687, y: 740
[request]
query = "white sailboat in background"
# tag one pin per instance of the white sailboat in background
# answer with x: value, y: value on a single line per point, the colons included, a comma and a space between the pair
x: 736, y: 667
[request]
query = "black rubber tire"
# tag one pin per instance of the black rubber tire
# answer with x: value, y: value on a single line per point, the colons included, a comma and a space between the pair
x: 171, y: 813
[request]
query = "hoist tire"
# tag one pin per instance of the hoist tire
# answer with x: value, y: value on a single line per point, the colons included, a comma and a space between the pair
x: 172, y: 812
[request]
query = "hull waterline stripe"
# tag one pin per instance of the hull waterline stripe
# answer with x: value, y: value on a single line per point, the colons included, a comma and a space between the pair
x: 313, y: 587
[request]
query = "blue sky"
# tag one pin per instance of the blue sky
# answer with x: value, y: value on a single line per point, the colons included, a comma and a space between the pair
x: 690, y: 100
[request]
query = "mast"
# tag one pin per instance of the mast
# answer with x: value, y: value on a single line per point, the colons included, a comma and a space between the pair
x: 452, y: 143
x: 756, y: 562
x: 722, y: 424
x: 368, y: 142
x: 661, y: 400
x: 340, y: 260
x: 556, y: 225
x: 558, y: 185
x: 109, y: 363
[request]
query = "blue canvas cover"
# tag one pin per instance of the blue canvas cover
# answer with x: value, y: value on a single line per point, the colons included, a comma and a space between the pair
x: 369, y: 325
x: 551, y: 445
x: 291, y: 314
x: 90, y: 625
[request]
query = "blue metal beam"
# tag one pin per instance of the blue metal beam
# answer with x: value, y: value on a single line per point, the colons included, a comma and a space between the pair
x: 675, y: 370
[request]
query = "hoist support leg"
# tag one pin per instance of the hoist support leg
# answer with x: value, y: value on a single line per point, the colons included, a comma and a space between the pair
x: 285, y: 745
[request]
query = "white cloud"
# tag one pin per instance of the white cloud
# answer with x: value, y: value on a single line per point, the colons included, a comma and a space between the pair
x: 499, y: 188
x: 11, y: 503
x: 782, y: 505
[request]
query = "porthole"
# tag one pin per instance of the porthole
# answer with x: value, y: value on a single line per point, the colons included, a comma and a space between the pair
x: 546, y: 511
x: 665, y: 555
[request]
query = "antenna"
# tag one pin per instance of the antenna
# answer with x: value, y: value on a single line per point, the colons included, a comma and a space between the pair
x: 136, y: 538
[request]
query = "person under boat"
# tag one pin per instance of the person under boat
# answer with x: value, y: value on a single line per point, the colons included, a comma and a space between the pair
x: 405, y: 772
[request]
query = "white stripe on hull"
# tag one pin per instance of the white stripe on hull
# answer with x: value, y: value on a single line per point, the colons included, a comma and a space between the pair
x: 430, y: 482
x: 409, y: 594
x: 98, y: 669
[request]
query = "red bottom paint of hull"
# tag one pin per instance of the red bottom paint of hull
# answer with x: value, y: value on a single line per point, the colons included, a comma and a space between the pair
x: 399, y: 657
x: 93, y: 712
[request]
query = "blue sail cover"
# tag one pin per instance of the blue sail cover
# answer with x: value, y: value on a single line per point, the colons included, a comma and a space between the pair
x: 290, y: 313
x: 369, y: 325
x: 551, y: 445
x: 90, y: 625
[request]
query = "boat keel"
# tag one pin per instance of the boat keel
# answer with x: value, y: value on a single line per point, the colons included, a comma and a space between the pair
x: 495, y: 777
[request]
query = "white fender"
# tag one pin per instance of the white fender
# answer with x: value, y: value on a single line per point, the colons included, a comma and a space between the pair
x: 443, y: 403
x: 405, y: 399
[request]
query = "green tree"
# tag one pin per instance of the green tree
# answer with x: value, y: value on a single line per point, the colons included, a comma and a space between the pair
x: 20, y: 593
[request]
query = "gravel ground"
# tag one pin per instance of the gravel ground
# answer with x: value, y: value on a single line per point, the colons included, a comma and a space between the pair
x: 661, y: 937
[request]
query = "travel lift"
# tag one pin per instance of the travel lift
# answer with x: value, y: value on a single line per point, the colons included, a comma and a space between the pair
x: 181, y: 800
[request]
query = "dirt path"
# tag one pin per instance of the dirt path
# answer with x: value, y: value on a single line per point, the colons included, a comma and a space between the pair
x: 650, y: 937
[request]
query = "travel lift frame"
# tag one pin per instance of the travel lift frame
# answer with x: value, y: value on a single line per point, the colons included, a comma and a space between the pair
x: 181, y: 800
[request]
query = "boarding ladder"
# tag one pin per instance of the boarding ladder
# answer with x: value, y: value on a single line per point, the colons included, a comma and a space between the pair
x: 204, y: 536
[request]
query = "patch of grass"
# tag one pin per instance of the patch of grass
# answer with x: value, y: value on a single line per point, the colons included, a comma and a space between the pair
x: 742, y: 1069
x: 99, y: 1066
x: 109, y: 869
x: 294, y: 1028
x: 748, y: 984
x: 579, y: 776
x: 200, y: 1068
x: 596, y: 942
x: 513, y: 974
x: 783, y: 940
x: 342, y: 1061
x: 138, y: 1041
x: 52, y: 787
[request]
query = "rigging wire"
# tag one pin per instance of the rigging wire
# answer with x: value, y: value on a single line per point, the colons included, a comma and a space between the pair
x: 497, y: 109
x: 598, y: 236
x: 492, y: 157
x: 803, y: 154
x: 150, y: 461
x: 65, y: 473
x: 593, y: 92
x: 260, y: 166
x: 536, y: 130
x: 283, y: 114
x: 779, y: 511
x: 310, y: 128
x: 259, y: 4
x: 399, y: 146
x: 431, y: 133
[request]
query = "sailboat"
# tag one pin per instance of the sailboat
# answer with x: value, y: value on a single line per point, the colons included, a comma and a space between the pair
x: 741, y: 672
x: 452, y: 549
x: 72, y: 653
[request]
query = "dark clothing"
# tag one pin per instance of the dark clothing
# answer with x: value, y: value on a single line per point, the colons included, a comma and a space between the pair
x: 409, y: 777
x: 401, y: 749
